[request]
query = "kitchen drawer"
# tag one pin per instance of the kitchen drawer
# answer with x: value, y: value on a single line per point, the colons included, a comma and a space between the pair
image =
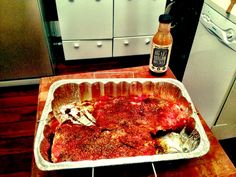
x: 87, y: 49
x: 137, y: 17
x: 83, y: 19
x: 132, y: 46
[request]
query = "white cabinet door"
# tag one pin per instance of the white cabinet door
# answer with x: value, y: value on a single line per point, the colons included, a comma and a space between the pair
x: 85, y: 19
x: 137, y: 17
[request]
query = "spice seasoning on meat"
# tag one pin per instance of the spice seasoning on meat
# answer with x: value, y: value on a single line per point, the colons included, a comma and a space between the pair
x: 123, y: 127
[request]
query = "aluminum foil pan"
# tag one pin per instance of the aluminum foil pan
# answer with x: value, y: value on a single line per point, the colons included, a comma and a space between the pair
x: 68, y: 91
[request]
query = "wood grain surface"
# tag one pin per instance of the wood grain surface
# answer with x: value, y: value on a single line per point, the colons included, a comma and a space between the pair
x: 214, y: 163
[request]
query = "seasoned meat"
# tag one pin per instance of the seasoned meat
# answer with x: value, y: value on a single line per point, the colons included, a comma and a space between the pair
x: 77, y: 142
x: 124, y: 127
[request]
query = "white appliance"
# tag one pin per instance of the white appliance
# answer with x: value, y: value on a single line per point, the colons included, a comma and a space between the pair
x: 24, y: 49
x: 211, y: 69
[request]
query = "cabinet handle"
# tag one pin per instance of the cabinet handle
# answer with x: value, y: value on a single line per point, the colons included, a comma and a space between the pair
x: 126, y: 42
x: 147, y: 41
x: 99, y: 44
x: 76, y: 45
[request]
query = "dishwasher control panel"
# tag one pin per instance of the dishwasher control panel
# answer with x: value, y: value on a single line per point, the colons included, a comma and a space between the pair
x: 219, y: 26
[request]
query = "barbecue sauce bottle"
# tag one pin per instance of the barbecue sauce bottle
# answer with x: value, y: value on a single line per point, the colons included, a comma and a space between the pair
x: 161, y: 46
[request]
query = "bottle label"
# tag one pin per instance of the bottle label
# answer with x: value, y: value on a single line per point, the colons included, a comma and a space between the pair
x: 159, y: 58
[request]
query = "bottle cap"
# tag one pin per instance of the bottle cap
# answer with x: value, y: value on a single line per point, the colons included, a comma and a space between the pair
x: 165, y: 18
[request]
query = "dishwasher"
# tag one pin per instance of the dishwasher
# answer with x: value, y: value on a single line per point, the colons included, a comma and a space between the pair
x: 211, y: 69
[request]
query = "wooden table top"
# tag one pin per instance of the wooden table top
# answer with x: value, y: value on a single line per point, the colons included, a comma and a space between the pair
x: 214, y: 163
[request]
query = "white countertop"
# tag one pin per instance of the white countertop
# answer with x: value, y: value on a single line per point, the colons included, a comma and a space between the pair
x: 221, y: 6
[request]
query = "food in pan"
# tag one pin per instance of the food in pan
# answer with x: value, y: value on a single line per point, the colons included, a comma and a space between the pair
x: 120, y: 126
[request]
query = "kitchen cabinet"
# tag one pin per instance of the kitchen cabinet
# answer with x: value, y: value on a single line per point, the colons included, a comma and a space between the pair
x: 107, y: 28
x: 86, y: 28
x: 138, y: 45
x: 137, y: 17
x: 87, y: 49
x: 135, y: 21
x: 85, y: 19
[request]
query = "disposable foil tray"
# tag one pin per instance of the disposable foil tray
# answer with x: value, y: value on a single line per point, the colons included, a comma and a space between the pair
x: 72, y: 90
